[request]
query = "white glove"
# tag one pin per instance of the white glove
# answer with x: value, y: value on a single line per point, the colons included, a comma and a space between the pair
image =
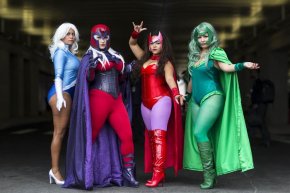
x: 59, y: 96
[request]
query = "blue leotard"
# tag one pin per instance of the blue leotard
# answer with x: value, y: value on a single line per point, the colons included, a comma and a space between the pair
x: 66, y: 67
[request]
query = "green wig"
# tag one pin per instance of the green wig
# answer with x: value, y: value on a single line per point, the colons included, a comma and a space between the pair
x: 194, y: 46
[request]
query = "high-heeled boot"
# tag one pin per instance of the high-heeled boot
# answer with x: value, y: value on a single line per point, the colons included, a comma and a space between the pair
x: 152, y: 147
x: 209, y: 172
x: 160, y: 158
x: 129, y: 171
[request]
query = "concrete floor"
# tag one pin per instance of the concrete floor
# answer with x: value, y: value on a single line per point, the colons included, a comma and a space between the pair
x: 25, y: 162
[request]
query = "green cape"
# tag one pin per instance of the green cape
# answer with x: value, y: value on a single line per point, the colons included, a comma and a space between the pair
x: 229, y: 136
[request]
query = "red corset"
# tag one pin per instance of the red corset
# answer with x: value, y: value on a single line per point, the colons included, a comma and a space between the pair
x: 153, y: 87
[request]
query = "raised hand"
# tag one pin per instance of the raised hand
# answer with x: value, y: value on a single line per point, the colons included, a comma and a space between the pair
x: 138, y: 28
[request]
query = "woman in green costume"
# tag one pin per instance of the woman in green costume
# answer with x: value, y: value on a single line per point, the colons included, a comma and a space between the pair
x: 216, y: 139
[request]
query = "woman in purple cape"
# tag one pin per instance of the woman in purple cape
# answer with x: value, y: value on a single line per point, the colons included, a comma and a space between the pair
x: 99, y: 155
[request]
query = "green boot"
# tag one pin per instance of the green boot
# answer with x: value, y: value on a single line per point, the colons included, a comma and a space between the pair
x: 209, y: 173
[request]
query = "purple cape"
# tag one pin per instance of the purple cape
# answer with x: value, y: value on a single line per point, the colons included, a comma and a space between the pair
x: 90, y: 164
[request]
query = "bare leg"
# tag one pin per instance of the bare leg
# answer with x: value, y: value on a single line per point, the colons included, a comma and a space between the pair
x: 60, y: 123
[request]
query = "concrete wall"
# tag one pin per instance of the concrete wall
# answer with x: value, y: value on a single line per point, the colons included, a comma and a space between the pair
x: 25, y: 77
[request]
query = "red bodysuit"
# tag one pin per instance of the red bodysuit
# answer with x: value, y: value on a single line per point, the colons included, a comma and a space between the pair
x: 153, y: 86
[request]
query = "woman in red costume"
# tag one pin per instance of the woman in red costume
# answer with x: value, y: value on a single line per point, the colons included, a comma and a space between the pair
x: 160, y: 106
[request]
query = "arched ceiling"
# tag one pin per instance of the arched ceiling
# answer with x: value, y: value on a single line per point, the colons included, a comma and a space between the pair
x: 32, y: 22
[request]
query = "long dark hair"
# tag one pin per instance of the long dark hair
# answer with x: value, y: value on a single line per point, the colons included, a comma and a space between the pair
x: 166, y: 55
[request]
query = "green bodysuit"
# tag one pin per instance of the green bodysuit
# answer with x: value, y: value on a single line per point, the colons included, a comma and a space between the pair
x: 205, y: 81
x: 228, y: 134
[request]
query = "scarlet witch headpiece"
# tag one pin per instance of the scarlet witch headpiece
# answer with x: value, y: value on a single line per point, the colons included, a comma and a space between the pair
x: 154, y: 38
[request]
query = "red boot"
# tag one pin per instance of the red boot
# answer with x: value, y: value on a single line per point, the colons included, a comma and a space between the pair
x: 160, y: 158
x: 152, y: 147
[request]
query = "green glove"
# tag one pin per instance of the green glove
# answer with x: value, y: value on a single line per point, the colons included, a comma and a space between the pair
x: 239, y: 66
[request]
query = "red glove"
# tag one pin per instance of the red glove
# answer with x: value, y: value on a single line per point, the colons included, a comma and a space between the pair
x: 175, y: 91
x: 134, y: 34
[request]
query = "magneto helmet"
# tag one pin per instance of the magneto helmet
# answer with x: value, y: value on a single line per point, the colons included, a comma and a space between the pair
x: 98, y: 32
